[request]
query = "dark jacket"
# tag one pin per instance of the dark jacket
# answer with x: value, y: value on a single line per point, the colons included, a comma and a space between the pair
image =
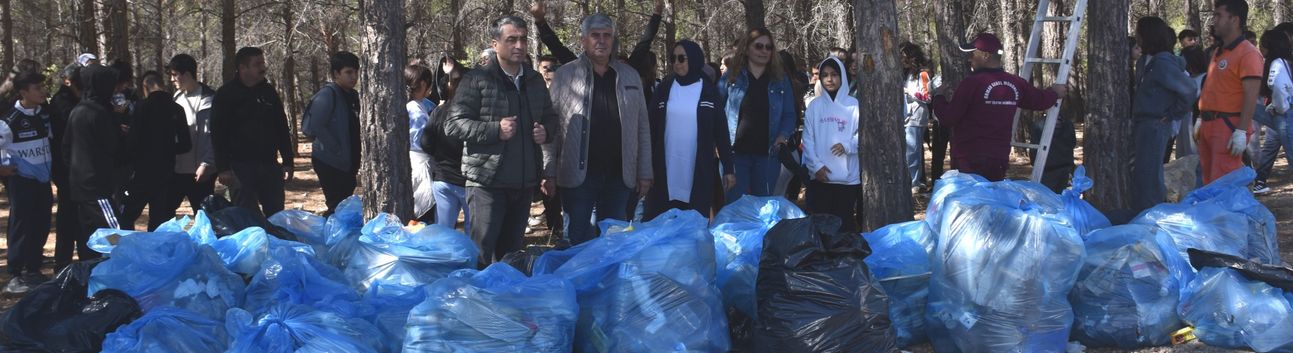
x: 483, y: 98
x: 445, y: 150
x: 60, y: 106
x: 713, y: 149
x: 248, y: 125
x: 982, y: 110
x: 159, y: 131
x: 92, y: 137
x: 330, y: 121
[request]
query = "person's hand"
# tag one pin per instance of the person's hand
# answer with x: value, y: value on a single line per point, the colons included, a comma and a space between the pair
x: 1060, y: 89
x: 659, y: 7
x: 507, y: 128
x: 821, y: 174
x: 1238, y: 142
x: 227, y: 178
x: 125, y: 129
x: 8, y: 170
x: 538, y: 10
x: 1270, y: 108
x: 838, y: 149
x: 201, y: 173
x: 548, y: 187
x: 781, y: 140
x: 287, y: 171
x: 540, y: 134
x: 120, y: 109
x: 644, y: 185
x: 729, y: 182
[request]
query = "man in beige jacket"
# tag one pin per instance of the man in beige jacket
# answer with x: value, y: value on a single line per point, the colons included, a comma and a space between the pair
x: 601, y: 151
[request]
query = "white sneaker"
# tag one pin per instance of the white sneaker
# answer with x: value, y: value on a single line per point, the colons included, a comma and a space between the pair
x: 534, y: 221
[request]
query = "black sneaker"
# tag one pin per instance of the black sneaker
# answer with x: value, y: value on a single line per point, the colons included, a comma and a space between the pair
x: 1260, y: 188
x: 18, y: 285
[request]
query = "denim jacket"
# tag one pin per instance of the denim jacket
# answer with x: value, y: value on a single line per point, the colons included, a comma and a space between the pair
x: 781, y: 101
x: 1163, y: 90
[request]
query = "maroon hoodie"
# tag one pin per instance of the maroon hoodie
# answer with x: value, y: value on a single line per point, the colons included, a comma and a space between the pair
x: 982, y: 110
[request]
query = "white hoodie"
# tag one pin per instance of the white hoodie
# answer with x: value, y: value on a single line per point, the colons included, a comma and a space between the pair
x: 827, y: 122
x: 1281, y: 84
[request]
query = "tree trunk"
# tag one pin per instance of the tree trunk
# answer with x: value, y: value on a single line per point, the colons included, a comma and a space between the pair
x: 1192, y: 18
x: 1278, y: 7
x: 386, y: 177
x: 886, y: 198
x: 6, y: 26
x: 1107, y: 142
x: 754, y: 13
x: 117, y: 26
x: 455, y: 6
x: 289, y: 71
x: 950, y: 25
x: 158, y: 57
x: 228, y: 43
x: 89, y: 36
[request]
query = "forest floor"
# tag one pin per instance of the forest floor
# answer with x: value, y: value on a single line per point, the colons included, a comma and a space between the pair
x: 303, y: 192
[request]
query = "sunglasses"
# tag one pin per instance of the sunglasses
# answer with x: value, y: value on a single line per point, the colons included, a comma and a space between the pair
x: 681, y: 59
x: 760, y: 46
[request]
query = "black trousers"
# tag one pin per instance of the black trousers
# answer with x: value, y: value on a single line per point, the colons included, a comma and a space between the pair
x: 30, y: 202
x: 260, y: 187
x: 938, y: 147
x: 147, y: 189
x: 94, y: 214
x: 835, y: 199
x: 552, y: 212
x: 184, y: 186
x: 498, y: 219
x: 67, y: 230
x: 337, y: 184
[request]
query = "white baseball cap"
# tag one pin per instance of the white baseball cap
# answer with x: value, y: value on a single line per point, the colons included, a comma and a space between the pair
x: 85, y: 58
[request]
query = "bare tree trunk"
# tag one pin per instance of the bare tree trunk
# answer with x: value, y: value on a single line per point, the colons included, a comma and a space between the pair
x: 89, y: 36
x: 289, y: 71
x: 158, y: 56
x: 1192, y: 15
x: 754, y: 15
x: 1107, y: 142
x: 455, y: 6
x: 950, y: 25
x: 385, y: 173
x: 6, y: 26
x: 117, y: 25
x: 228, y: 43
x: 1278, y: 9
x: 885, y: 183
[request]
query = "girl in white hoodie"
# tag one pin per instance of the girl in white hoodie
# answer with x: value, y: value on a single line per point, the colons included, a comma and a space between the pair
x: 830, y: 145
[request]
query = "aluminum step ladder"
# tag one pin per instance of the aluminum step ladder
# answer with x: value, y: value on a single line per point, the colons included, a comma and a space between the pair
x: 1065, y: 62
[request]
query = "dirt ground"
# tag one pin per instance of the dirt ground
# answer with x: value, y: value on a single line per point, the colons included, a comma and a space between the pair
x: 303, y: 193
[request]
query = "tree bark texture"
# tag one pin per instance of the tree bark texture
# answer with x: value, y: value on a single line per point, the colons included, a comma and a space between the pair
x: 754, y: 15
x: 885, y: 182
x: 6, y: 26
x: 1192, y: 18
x: 289, y: 71
x: 117, y: 26
x: 88, y: 33
x: 1107, y: 136
x: 384, y: 126
x: 228, y: 43
x: 950, y: 24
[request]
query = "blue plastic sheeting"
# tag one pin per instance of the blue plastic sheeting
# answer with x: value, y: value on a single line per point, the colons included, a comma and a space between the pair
x: 950, y: 183
x: 389, y: 253
x: 650, y: 288
x: 293, y: 277
x: 1230, y: 311
x: 391, y: 304
x: 1007, y: 260
x: 900, y: 260
x: 243, y: 252
x: 168, y: 269
x: 1085, y: 217
x: 495, y: 310
x: 289, y: 328
x: 307, y: 227
x: 1220, y: 217
x: 738, y: 232
x: 1129, y: 287
x: 341, y: 232
x: 104, y: 240
x: 168, y: 330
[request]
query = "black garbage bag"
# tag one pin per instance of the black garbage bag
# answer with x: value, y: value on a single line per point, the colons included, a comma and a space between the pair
x: 1277, y: 276
x: 57, y: 317
x: 815, y: 293
x: 227, y: 219
x: 523, y: 260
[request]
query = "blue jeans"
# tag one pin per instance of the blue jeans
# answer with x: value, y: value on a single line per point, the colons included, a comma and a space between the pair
x: 449, y: 200
x: 1148, y: 187
x: 755, y: 175
x: 1277, y: 135
x: 607, y: 195
x: 916, y: 155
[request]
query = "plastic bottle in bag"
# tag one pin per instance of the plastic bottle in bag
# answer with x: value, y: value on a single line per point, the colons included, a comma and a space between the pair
x: 1129, y: 287
x: 900, y: 260
x: 498, y: 309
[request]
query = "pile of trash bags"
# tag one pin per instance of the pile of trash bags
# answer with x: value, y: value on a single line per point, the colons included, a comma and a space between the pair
x: 645, y: 287
x: 901, y: 258
x: 1240, y: 304
x: 498, y: 309
x: 738, y: 230
x: 57, y: 316
x: 1129, y: 287
x: 1220, y: 217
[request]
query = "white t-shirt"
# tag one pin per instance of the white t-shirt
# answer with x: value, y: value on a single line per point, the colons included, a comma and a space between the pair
x: 680, y: 139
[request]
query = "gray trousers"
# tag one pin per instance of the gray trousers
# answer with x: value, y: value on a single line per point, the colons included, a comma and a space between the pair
x: 498, y: 218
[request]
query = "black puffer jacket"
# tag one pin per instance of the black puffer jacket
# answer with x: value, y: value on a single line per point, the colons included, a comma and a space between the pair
x: 483, y: 99
x: 92, y: 138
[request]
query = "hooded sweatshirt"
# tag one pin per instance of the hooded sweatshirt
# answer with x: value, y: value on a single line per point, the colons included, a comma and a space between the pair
x: 832, y: 119
x: 92, y: 137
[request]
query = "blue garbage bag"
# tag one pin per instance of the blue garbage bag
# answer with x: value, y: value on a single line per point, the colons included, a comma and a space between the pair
x: 494, y: 310
x: 104, y: 240
x: 1085, y: 217
x: 388, y: 252
x: 290, y: 328
x: 1005, y: 267
x: 341, y: 231
x: 900, y: 260
x: 650, y: 288
x: 1220, y: 217
x: 244, y: 251
x: 168, y: 330
x: 307, y: 227
x: 391, y: 304
x: 950, y: 183
x: 738, y: 231
x: 294, y: 277
x: 1129, y: 287
x: 168, y: 269
x: 1230, y: 311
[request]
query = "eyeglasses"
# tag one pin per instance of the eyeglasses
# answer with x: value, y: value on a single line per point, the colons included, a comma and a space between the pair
x: 681, y: 59
x: 761, y: 46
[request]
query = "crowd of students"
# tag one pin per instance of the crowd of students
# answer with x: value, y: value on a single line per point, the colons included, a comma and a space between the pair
x: 592, y: 135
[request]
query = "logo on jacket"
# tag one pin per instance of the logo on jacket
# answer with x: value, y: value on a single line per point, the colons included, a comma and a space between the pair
x: 1223, y: 64
x: 1013, y: 98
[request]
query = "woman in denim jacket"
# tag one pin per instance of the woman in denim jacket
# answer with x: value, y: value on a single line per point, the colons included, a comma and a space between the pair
x: 760, y: 125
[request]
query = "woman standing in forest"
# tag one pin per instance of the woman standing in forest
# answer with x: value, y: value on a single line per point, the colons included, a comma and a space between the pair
x: 763, y: 123
x: 1164, y: 91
